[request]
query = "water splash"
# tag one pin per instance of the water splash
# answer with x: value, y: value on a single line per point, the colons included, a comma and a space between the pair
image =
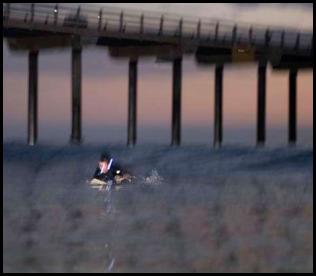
x: 154, y: 178
x: 111, y: 265
x: 109, y: 209
x: 108, y: 197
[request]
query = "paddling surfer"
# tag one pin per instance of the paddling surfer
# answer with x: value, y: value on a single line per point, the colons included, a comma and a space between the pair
x: 108, y: 170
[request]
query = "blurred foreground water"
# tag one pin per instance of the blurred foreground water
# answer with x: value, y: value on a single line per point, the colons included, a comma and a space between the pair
x: 192, y: 209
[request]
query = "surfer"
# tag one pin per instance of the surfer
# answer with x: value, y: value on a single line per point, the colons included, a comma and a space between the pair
x: 108, y: 170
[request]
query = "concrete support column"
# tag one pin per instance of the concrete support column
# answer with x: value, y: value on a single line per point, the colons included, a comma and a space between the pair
x: 32, y: 98
x: 76, y: 93
x: 261, y: 108
x: 176, y: 101
x: 132, y: 103
x: 292, y: 106
x: 218, y: 108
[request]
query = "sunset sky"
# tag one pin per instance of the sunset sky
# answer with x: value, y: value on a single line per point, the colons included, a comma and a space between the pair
x: 104, y: 89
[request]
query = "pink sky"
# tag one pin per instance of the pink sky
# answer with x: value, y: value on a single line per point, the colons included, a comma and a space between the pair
x: 105, y: 99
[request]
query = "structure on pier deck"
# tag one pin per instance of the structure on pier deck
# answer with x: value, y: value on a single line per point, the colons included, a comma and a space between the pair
x: 133, y: 34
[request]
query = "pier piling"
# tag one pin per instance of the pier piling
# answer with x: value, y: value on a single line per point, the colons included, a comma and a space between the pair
x: 261, y: 108
x: 32, y: 97
x: 132, y: 103
x: 218, y: 108
x: 76, y: 93
x: 176, y: 101
x: 292, y: 106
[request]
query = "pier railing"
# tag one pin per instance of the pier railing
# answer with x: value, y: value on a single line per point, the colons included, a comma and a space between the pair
x: 101, y: 20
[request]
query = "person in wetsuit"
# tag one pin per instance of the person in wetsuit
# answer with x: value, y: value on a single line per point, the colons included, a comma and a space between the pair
x: 108, y: 170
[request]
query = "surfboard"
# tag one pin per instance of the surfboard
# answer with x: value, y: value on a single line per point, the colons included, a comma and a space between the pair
x: 97, y: 183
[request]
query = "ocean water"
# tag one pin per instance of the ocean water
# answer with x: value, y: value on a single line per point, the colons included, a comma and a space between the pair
x: 191, y: 209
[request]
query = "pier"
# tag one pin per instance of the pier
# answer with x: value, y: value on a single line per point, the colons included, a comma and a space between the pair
x: 132, y: 34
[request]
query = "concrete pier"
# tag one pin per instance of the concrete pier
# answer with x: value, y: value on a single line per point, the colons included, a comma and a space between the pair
x: 76, y: 93
x: 132, y: 103
x: 292, y: 106
x: 218, y: 107
x: 32, y: 98
x: 33, y: 27
x: 176, y: 101
x: 261, y: 108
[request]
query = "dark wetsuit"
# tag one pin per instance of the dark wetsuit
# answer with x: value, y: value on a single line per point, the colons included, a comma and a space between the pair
x: 113, y: 171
